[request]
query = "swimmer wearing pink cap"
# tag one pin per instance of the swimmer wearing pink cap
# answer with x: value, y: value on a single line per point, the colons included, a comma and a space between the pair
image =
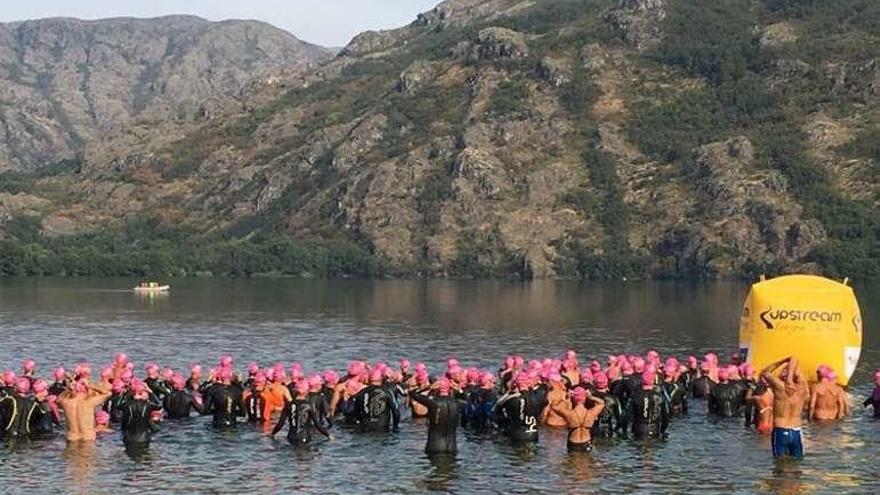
x: 648, y: 411
x: 300, y: 417
x: 137, y: 419
x: 444, y: 416
x: 580, y: 416
x: 557, y: 395
x: 873, y: 400
x: 827, y: 399
x: 79, y: 403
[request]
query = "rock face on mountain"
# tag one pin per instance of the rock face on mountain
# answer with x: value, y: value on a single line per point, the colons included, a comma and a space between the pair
x: 552, y: 138
x: 66, y: 82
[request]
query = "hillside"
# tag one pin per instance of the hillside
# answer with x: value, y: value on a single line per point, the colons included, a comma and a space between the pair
x: 65, y: 82
x: 561, y: 138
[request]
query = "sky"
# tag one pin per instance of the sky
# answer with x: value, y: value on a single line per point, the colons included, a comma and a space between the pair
x: 325, y: 22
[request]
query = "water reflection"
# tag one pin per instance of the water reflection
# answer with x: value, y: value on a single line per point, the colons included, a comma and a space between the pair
x: 81, y: 462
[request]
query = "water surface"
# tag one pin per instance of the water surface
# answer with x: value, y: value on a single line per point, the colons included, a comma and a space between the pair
x: 326, y: 323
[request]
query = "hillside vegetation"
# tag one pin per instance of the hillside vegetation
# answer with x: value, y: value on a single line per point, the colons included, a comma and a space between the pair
x: 504, y: 138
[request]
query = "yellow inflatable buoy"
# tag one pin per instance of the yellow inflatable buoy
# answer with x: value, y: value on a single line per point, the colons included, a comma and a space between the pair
x: 813, y: 318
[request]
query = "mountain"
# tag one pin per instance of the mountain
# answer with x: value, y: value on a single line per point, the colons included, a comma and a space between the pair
x: 560, y: 138
x: 66, y: 82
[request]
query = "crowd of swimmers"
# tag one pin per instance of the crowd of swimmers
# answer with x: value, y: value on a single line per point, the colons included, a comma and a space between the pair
x: 634, y: 396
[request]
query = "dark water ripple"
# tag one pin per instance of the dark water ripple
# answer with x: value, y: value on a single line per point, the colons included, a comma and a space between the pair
x: 327, y: 323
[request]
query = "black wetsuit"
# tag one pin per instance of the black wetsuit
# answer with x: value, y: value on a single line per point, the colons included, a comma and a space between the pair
x: 221, y: 402
x: 444, y: 414
x: 750, y: 408
x: 701, y: 387
x: 16, y: 409
x: 254, y: 404
x: 481, y: 402
x: 676, y: 396
x: 726, y: 400
x: 650, y: 414
x: 300, y: 417
x: 874, y: 401
x: 376, y: 408
x: 622, y: 390
x: 193, y: 385
x: 179, y: 404
x: 114, y: 404
x: 58, y: 388
x: 610, y: 420
x: 519, y: 413
x: 136, y: 426
x: 321, y: 407
x: 41, y: 420
x: 159, y: 388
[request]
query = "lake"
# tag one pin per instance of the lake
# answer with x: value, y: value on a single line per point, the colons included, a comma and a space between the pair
x: 326, y: 323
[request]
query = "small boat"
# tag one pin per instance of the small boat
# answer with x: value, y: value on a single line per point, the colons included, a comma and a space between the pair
x: 152, y: 289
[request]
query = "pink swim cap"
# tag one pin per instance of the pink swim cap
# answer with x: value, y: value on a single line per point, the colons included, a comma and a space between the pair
x: 138, y: 387
x: 508, y: 362
x: 639, y: 365
x: 59, y: 374
x: 723, y: 373
x: 705, y: 366
x: 117, y: 387
x: 356, y: 368
x: 260, y: 379
x: 627, y: 368
x: 595, y: 366
x: 613, y: 374
x: 587, y: 376
x: 102, y: 418
x: 692, y: 362
x: 196, y: 369
x: 178, y: 382
x: 83, y: 370
x: 747, y: 370
x: 487, y: 380
x: 570, y: 355
x: 669, y: 372
x: 579, y: 395
x: 712, y: 358
x: 522, y: 380
x: 121, y: 358
x: 315, y: 381
x: 331, y: 377
x: 473, y: 376
x: 650, y: 368
x: 422, y: 377
x: 28, y: 365
x: 517, y: 361
x: 167, y: 374
x: 226, y: 361
x: 404, y: 364
x: 302, y: 387
x: 444, y: 386
x: 600, y: 380
x: 376, y: 376
x: 226, y: 374
x: 611, y: 360
x: 452, y: 363
x: 80, y: 387
x: 127, y: 376
x: 9, y: 378
x: 421, y: 366
x: 648, y: 379
x: 39, y: 386
x: 555, y: 378
x: 352, y: 386
x: 106, y: 373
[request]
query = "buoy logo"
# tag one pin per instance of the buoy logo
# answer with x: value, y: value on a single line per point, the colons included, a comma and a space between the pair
x: 767, y: 323
x: 770, y: 316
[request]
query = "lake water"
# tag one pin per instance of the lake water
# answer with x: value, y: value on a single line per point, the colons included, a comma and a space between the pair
x: 326, y: 323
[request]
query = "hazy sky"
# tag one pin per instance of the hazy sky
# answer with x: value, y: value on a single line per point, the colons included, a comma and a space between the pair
x: 326, y: 22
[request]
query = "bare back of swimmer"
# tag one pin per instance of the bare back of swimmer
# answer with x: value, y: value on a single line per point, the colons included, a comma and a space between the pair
x: 79, y: 408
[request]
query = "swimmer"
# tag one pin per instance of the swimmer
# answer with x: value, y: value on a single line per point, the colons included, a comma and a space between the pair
x: 79, y: 404
x: 194, y: 382
x: 557, y: 398
x: 518, y: 412
x: 648, y: 410
x: 580, y: 419
x: 761, y: 398
x: 610, y: 421
x: 17, y: 408
x: 827, y: 402
x: 726, y: 398
x: 118, y: 396
x: 316, y: 399
x: 222, y: 402
x: 702, y: 385
x: 180, y: 402
x: 444, y: 415
x: 375, y: 406
x: 422, y: 387
x: 254, y: 400
x: 674, y: 392
x: 43, y: 414
x: 137, y: 423
x: 300, y: 417
x: 61, y: 382
x: 789, y: 397
x: 102, y: 423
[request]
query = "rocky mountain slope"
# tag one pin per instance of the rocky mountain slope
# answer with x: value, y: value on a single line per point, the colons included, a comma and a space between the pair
x: 66, y: 82
x: 559, y: 138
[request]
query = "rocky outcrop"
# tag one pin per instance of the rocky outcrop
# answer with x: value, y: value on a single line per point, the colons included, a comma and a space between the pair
x: 66, y: 82
x: 638, y: 21
x: 497, y: 42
